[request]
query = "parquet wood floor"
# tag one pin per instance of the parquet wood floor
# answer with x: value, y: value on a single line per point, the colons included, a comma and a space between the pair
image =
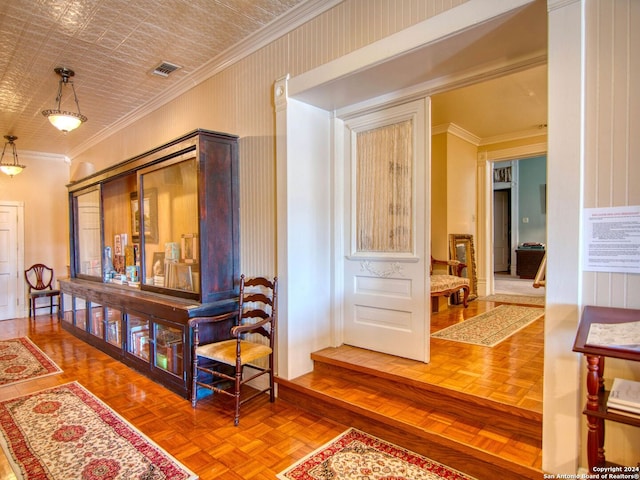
x: 273, y: 436
x: 511, y: 372
x: 467, y: 397
x: 270, y: 437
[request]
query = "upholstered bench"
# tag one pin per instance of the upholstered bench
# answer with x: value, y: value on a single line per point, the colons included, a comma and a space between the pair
x: 445, y: 285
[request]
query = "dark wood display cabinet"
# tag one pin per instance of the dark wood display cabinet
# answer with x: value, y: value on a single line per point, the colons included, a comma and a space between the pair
x: 596, y: 405
x: 155, y: 242
x: 528, y: 261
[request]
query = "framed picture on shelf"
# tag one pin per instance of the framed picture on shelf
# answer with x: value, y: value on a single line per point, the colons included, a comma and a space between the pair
x: 117, y: 245
x: 179, y: 276
x: 158, y: 269
x: 184, y: 280
x: 150, y: 212
x: 189, y: 248
x: 157, y: 266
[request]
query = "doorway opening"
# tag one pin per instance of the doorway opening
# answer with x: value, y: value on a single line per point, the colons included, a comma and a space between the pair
x: 502, y: 231
x: 519, y: 223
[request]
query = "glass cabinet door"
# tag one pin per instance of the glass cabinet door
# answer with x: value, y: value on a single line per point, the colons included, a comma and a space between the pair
x: 169, y: 343
x: 87, y: 234
x: 96, y: 326
x: 168, y: 208
x: 114, y: 326
x: 138, y: 336
x: 80, y: 309
x: 67, y: 308
x: 97, y: 320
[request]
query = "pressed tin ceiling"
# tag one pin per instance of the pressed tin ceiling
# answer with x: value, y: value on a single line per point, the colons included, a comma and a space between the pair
x: 113, y: 46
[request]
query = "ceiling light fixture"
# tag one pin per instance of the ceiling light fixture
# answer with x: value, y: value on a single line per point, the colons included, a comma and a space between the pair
x: 14, y: 168
x: 63, y: 120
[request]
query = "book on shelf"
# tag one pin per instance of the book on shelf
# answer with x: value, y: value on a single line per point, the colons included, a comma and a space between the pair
x: 623, y: 336
x: 626, y: 413
x: 624, y: 408
x: 624, y: 395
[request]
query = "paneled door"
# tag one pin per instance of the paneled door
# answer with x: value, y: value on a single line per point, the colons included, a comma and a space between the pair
x: 10, y: 260
x: 386, y: 226
x: 501, y: 230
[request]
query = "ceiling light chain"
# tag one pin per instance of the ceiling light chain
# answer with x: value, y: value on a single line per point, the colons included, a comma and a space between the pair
x: 14, y: 168
x: 63, y: 120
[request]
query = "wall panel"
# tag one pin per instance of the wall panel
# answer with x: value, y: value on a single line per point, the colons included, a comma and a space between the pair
x: 612, y: 172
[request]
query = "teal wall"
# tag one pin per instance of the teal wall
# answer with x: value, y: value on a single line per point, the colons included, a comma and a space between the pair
x: 532, y: 181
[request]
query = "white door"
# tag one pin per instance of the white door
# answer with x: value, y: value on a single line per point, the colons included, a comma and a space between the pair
x: 501, y: 238
x: 386, y: 227
x: 9, y: 261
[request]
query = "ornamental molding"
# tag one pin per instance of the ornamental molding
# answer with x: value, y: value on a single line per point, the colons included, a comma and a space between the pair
x: 394, y: 269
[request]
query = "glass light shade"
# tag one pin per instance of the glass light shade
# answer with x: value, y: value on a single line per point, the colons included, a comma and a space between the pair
x: 64, y: 121
x: 8, y: 168
x: 11, y: 170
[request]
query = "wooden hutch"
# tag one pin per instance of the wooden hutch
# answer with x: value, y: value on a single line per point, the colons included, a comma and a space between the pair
x: 155, y: 242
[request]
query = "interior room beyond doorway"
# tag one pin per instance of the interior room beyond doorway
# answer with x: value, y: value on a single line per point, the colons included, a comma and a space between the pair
x: 519, y: 223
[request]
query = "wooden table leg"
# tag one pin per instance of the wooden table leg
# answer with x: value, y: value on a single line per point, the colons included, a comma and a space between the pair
x: 595, y: 436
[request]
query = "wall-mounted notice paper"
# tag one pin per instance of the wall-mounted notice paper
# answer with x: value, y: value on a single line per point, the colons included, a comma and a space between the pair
x: 612, y: 239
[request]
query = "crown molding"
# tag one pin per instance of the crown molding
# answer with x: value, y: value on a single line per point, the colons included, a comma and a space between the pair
x: 294, y: 18
x: 507, y: 137
x: 32, y: 155
x: 512, y: 153
x: 456, y: 130
x: 558, y: 4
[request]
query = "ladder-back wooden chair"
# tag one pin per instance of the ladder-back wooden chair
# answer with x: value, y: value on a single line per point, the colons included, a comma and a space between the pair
x: 220, y: 366
x: 39, y: 279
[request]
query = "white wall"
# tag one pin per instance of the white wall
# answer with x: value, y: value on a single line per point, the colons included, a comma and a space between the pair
x: 41, y: 186
x: 304, y: 234
x: 561, y: 405
x: 461, y: 185
x: 612, y: 171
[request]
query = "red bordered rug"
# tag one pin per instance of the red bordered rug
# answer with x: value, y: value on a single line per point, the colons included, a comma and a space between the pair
x: 66, y: 432
x: 21, y: 359
x: 355, y: 455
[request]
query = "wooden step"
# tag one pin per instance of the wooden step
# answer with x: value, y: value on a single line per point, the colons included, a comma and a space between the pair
x: 475, y: 435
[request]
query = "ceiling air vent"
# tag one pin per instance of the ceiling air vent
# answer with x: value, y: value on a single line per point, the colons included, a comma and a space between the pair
x: 164, y: 69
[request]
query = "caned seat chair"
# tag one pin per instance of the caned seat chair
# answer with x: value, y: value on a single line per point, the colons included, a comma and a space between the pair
x: 220, y: 366
x: 448, y: 283
x: 39, y: 280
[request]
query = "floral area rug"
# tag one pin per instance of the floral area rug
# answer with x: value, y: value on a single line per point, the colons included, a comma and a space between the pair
x: 490, y: 328
x: 66, y: 432
x: 519, y: 299
x: 21, y: 359
x: 355, y: 455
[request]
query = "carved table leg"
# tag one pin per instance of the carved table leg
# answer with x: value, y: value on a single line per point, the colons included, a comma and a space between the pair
x: 595, y: 436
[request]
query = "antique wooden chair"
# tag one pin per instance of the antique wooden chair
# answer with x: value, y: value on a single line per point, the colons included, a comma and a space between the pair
x: 39, y: 278
x: 220, y: 366
x: 448, y: 283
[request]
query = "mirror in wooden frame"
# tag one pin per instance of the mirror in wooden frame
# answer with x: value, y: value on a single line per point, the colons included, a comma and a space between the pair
x: 461, y: 248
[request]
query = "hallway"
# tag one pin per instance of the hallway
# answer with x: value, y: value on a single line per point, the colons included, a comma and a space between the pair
x: 273, y: 436
x: 514, y: 285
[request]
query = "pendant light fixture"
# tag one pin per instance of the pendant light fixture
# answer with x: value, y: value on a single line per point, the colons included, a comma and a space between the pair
x: 63, y: 120
x: 9, y: 168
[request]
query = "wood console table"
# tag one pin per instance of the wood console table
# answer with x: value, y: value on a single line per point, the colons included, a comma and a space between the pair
x: 596, y: 407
